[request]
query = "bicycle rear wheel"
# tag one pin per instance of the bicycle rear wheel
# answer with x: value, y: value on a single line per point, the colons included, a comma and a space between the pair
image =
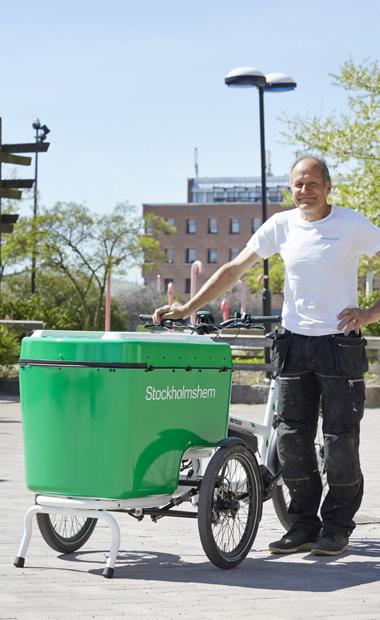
x: 280, y: 493
x: 65, y: 533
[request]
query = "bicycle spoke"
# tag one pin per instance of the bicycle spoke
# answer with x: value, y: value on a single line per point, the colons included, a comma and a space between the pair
x: 230, y: 523
x: 67, y: 526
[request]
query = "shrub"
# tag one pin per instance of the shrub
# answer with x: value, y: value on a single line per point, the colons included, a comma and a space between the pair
x: 9, y: 346
x: 367, y: 302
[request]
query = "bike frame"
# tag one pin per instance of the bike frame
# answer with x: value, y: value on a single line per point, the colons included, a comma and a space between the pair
x: 264, y: 431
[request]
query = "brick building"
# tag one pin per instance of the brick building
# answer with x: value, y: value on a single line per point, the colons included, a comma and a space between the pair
x: 213, y: 230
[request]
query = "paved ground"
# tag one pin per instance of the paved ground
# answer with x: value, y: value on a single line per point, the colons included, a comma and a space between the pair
x: 162, y: 570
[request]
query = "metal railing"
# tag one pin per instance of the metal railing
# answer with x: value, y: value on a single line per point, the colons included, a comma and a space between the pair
x: 25, y: 327
x: 244, y: 345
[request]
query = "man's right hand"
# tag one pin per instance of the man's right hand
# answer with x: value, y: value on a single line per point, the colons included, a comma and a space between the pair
x: 175, y: 311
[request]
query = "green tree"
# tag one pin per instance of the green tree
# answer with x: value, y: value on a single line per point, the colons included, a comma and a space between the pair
x: 82, y: 248
x: 56, y: 302
x: 276, y: 276
x: 9, y: 346
x: 349, y: 141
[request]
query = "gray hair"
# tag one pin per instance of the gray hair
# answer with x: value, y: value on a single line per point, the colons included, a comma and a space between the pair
x: 319, y: 160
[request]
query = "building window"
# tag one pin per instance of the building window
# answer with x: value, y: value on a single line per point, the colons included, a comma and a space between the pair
x: 191, y: 226
x: 231, y: 195
x: 171, y: 222
x: 149, y: 227
x: 213, y: 226
x: 256, y: 223
x: 188, y: 286
x: 275, y: 194
x: 234, y: 226
x: 233, y: 252
x: 212, y: 255
x: 191, y: 255
x: 168, y: 281
x: 169, y: 255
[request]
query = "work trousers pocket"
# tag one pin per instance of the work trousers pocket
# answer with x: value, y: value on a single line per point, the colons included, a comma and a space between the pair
x: 350, y: 356
x: 279, y: 351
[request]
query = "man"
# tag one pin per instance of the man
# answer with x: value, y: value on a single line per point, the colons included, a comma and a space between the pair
x: 320, y: 355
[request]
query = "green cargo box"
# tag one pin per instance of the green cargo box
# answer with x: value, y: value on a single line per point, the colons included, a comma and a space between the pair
x: 110, y: 415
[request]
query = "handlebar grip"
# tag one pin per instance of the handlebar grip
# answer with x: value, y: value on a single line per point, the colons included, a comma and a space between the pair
x: 146, y: 317
x: 260, y: 319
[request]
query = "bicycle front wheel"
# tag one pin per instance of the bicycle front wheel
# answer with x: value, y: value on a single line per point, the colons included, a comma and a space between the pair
x: 230, y: 505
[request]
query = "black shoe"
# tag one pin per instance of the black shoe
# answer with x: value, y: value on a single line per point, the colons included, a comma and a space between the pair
x: 330, y: 544
x: 293, y: 542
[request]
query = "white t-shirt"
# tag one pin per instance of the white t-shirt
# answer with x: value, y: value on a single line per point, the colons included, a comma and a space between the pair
x: 321, y: 264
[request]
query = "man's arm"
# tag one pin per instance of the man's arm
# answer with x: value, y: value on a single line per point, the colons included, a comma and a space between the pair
x: 219, y: 282
x: 352, y: 318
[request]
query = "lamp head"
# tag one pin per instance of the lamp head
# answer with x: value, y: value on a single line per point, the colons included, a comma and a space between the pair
x: 245, y: 77
x: 45, y: 130
x: 37, y: 124
x: 279, y: 82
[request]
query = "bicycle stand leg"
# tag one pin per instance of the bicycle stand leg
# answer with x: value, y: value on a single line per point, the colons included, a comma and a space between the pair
x: 115, y: 543
x: 94, y: 514
x: 28, y: 520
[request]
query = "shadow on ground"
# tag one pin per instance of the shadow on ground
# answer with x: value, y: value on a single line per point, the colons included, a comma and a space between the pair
x: 312, y: 574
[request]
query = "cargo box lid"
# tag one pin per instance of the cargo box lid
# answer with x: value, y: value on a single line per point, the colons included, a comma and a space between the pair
x: 124, y: 350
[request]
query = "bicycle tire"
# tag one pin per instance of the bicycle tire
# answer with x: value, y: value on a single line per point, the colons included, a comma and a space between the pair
x: 230, y: 494
x: 65, y: 533
x: 280, y: 505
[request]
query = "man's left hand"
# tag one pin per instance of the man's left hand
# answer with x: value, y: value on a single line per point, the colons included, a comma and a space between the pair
x: 351, y: 319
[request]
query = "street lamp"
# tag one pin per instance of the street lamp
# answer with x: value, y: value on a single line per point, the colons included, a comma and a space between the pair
x: 41, y: 133
x: 249, y: 77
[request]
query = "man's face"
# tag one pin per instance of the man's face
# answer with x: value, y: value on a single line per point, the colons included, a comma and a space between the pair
x: 309, y: 190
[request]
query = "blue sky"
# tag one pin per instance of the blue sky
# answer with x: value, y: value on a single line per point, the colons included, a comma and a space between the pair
x: 128, y: 89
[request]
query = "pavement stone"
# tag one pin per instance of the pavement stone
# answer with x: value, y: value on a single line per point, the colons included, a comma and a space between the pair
x: 162, y: 571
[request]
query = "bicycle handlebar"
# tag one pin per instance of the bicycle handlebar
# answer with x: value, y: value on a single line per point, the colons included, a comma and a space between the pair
x: 146, y: 317
x: 204, y: 327
x: 248, y: 318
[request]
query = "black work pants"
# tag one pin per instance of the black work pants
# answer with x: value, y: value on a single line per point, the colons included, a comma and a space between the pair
x: 326, y: 370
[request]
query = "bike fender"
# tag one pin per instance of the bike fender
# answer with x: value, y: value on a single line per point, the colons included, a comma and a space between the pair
x: 247, y: 439
x: 238, y: 439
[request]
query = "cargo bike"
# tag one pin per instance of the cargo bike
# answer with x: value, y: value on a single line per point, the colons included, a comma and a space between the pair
x: 135, y: 423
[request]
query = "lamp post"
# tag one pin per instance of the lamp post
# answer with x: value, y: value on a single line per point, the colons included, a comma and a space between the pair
x: 249, y: 77
x: 41, y: 133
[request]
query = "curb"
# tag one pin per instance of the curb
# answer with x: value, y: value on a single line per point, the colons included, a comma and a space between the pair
x: 258, y: 394
x: 249, y: 394
x: 10, y: 386
x: 240, y: 394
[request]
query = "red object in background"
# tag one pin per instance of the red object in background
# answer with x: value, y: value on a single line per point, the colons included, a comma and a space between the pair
x: 170, y: 293
x: 107, y: 326
x: 196, y: 270
x: 225, y: 308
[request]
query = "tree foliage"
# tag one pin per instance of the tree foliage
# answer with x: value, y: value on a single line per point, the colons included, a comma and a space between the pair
x: 9, y: 346
x: 349, y: 141
x: 137, y: 299
x: 77, y: 250
x: 276, y: 276
x: 351, y: 144
x: 367, y: 302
